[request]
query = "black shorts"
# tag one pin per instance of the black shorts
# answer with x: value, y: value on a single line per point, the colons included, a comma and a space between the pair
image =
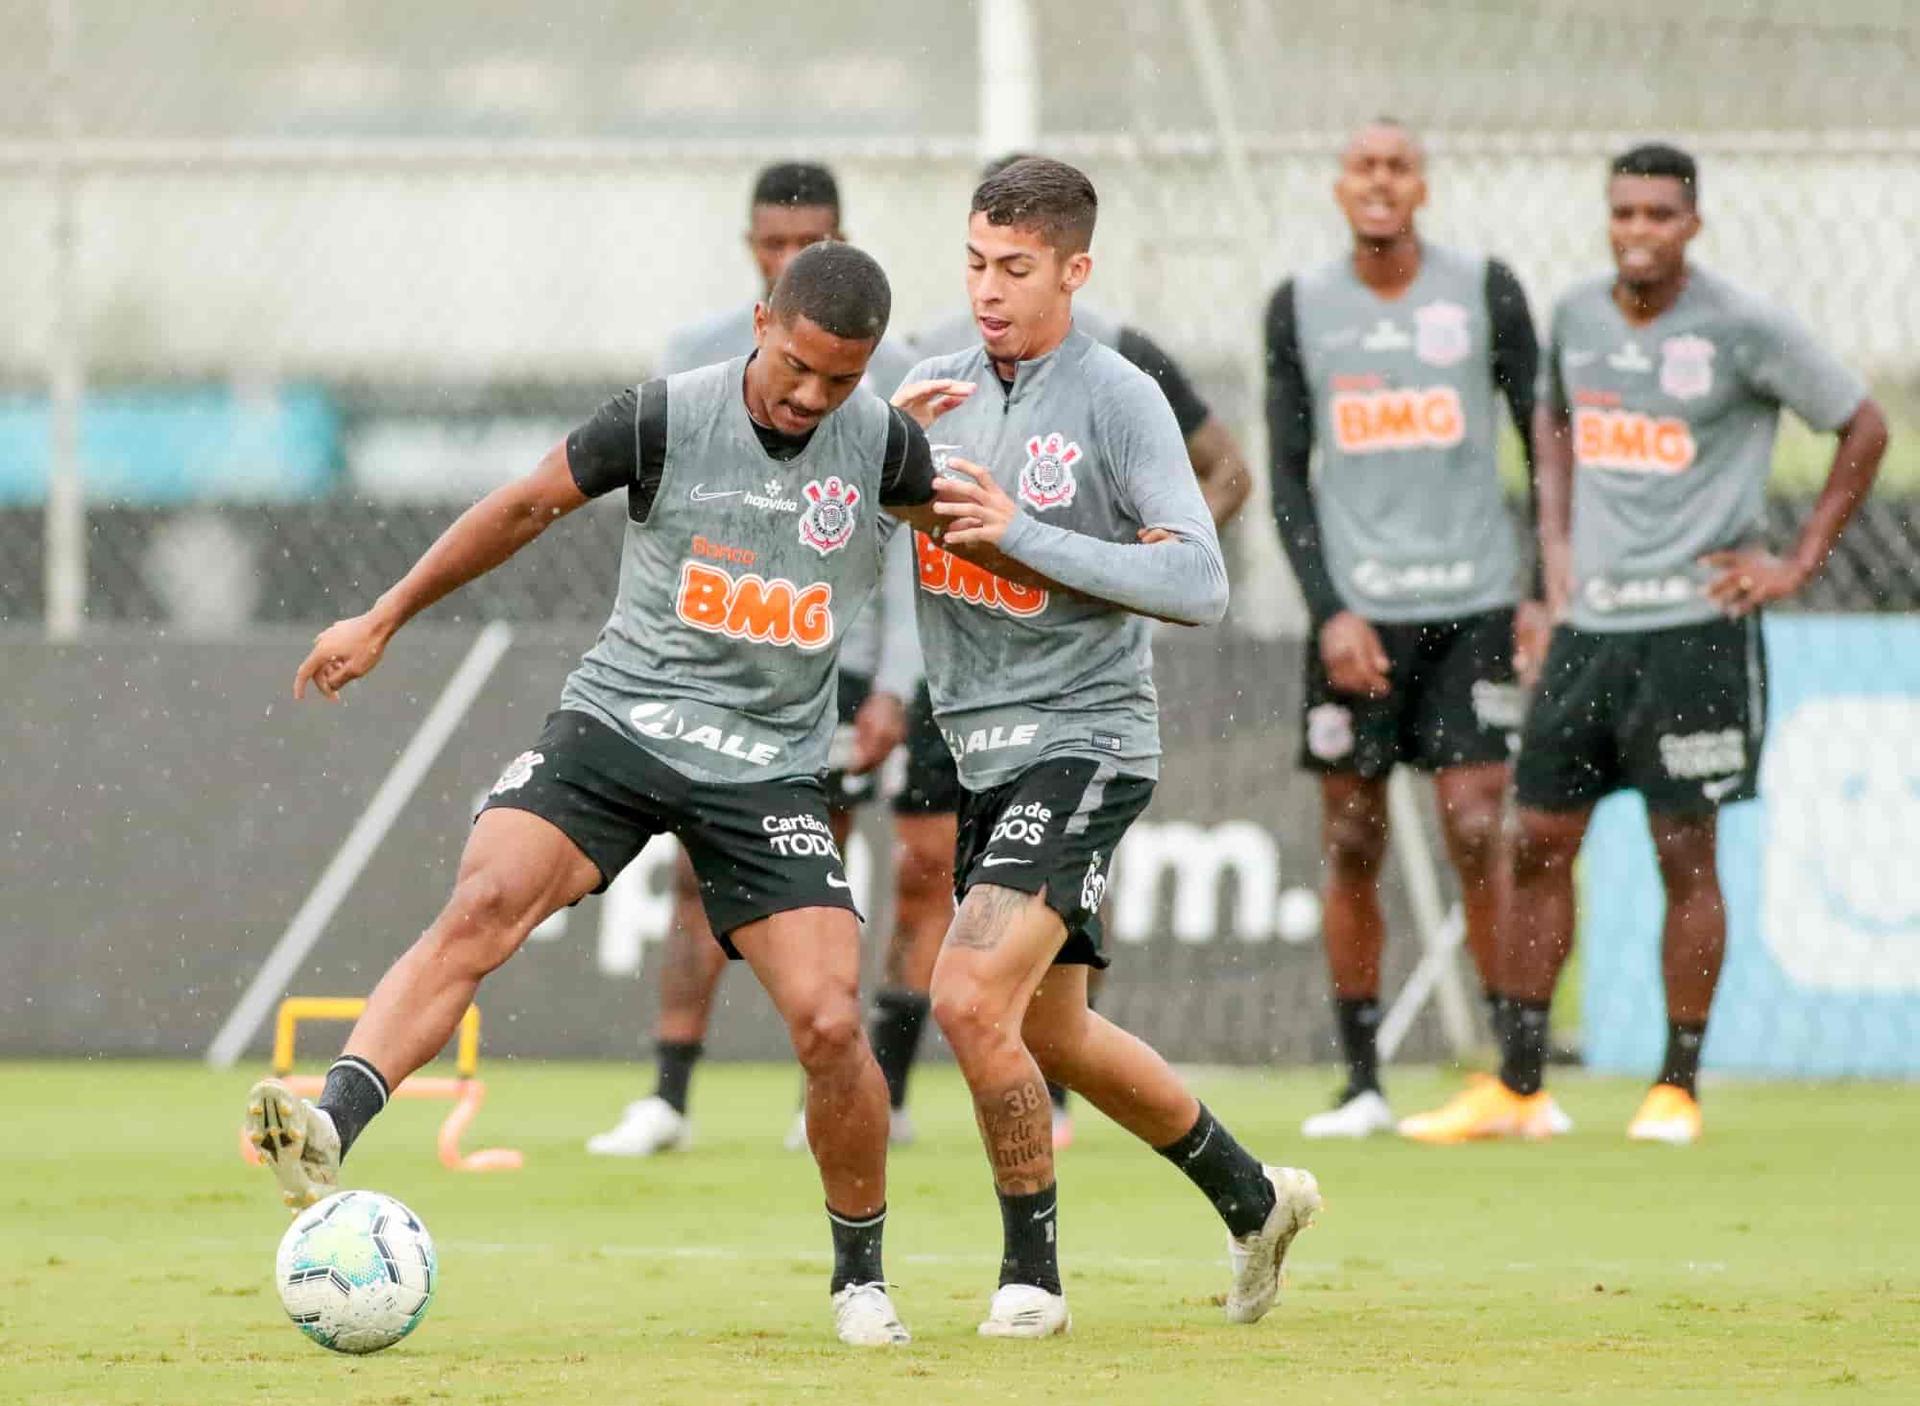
x: 1674, y: 714
x: 844, y: 789
x: 1053, y: 827
x: 759, y: 848
x: 1454, y: 701
x: 931, y: 783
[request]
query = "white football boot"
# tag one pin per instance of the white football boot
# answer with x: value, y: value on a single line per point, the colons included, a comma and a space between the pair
x: 648, y: 1127
x: 900, y: 1129
x: 1257, y: 1258
x: 863, y: 1316
x: 796, y: 1138
x: 1361, y: 1116
x: 1026, y: 1311
x: 297, y: 1140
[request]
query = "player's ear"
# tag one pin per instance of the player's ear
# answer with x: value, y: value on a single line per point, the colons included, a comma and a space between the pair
x: 1078, y: 270
x: 762, y: 319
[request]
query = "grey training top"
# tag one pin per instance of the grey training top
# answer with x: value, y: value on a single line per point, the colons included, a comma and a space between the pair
x: 719, y: 655
x: 1084, y: 442
x: 880, y: 642
x: 1407, y: 489
x: 1673, y: 426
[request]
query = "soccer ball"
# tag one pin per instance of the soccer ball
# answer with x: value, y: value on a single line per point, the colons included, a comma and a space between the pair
x: 356, y: 1271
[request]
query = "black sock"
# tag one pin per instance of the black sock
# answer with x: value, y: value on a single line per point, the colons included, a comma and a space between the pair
x: 1231, y: 1176
x: 677, y: 1058
x: 1682, y: 1068
x: 1058, y: 1094
x: 1496, y: 1016
x: 1029, y: 1226
x: 899, y: 1016
x: 1359, y: 1022
x: 1524, y: 1048
x: 353, y: 1093
x: 856, y: 1248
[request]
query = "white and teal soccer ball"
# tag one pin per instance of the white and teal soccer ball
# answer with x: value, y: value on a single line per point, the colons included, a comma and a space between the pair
x: 356, y: 1271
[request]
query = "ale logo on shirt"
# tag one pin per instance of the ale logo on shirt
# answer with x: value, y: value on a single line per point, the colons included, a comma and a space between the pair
x: 756, y: 609
x: 1686, y: 367
x: 1631, y: 442
x: 1047, y: 480
x: 827, y: 524
x: 1380, y: 421
x: 944, y: 574
x: 1441, y: 335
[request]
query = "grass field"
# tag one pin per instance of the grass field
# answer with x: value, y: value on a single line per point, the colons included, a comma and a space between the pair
x: 1778, y: 1261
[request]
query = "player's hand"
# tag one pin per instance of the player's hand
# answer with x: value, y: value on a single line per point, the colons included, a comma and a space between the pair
x: 879, y: 726
x: 1749, y: 577
x: 1149, y: 536
x: 976, y: 508
x: 342, y: 653
x: 927, y: 401
x: 1355, y: 659
x: 1532, y: 632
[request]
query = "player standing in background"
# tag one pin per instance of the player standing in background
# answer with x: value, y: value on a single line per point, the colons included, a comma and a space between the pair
x: 704, y: 709
x: 1047, y: 701
x: 794, y: 206
x: 1661, y: 395
x: 927, y: 803
x: 1391, y: 358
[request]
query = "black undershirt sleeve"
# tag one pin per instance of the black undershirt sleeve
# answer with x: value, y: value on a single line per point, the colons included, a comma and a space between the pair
x: 1188, y: 408
x: 624, y: 445
x: 1516, y: 362
x: 906, y: 478
x: 1290, y: 441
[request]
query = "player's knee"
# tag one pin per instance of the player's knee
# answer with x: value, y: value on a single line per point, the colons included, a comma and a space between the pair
x: 482, y: 924
x: 826, y: 1031
x: 972, y: 1016
x: 1356, y: 842
x: 1473, y: 836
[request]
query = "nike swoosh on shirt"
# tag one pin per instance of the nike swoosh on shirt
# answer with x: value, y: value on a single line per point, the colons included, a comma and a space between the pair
x: 994, y: 859
x: 700, y: 495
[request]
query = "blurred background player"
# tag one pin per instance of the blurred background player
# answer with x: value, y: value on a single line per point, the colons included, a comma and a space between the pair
x: 1048, y: 700
x: 927, y: 802
x: 1389, y: 359
x: 1661, y: 395
x: 794, y: 205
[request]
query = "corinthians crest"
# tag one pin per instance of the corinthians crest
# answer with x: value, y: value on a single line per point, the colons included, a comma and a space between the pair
x: 1686, y: 367
x: 1047, y: 480
x: 1441, y: 335
x: 828, y: 522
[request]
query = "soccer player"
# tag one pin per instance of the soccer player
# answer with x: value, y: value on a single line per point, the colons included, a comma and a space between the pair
x: 1661, y: 394
x: 1047, y: 702
x: 926, y: 805
x: 1390, y: 359
x: 704, y: 710
x: 794, y: 206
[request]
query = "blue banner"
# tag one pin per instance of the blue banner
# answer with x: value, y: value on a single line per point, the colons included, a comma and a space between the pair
x: 1821, y: 875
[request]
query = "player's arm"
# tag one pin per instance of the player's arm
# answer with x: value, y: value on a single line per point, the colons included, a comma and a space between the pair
x: 1781, y: 359
x: 1349, y: 646
x: 1516, y: 370
x: 880, y: 725
x: 1173, y: 572
x: 1214, y: 453
x: 588, y: 462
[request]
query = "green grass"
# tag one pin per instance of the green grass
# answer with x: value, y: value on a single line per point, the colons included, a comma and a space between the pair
x: 1778, y: 1261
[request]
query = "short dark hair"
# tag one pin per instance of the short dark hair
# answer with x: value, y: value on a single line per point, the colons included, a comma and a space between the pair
x: 1659, y: 159
x: 1047, y: 196
x: 838, y: 288
x: 797, y: 183
x: 1000, y: 163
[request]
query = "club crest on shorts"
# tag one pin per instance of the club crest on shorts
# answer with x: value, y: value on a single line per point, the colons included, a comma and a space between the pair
x: 1093, y: 888
x: 827, y: 524
x: 1329, y: 731
x: 1686, y: 367
x: 518, y: 773
x: 1441, y: 335
x: 1047, y: 480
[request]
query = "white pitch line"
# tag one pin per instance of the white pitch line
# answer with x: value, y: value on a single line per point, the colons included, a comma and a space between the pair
x: 336, y: 881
